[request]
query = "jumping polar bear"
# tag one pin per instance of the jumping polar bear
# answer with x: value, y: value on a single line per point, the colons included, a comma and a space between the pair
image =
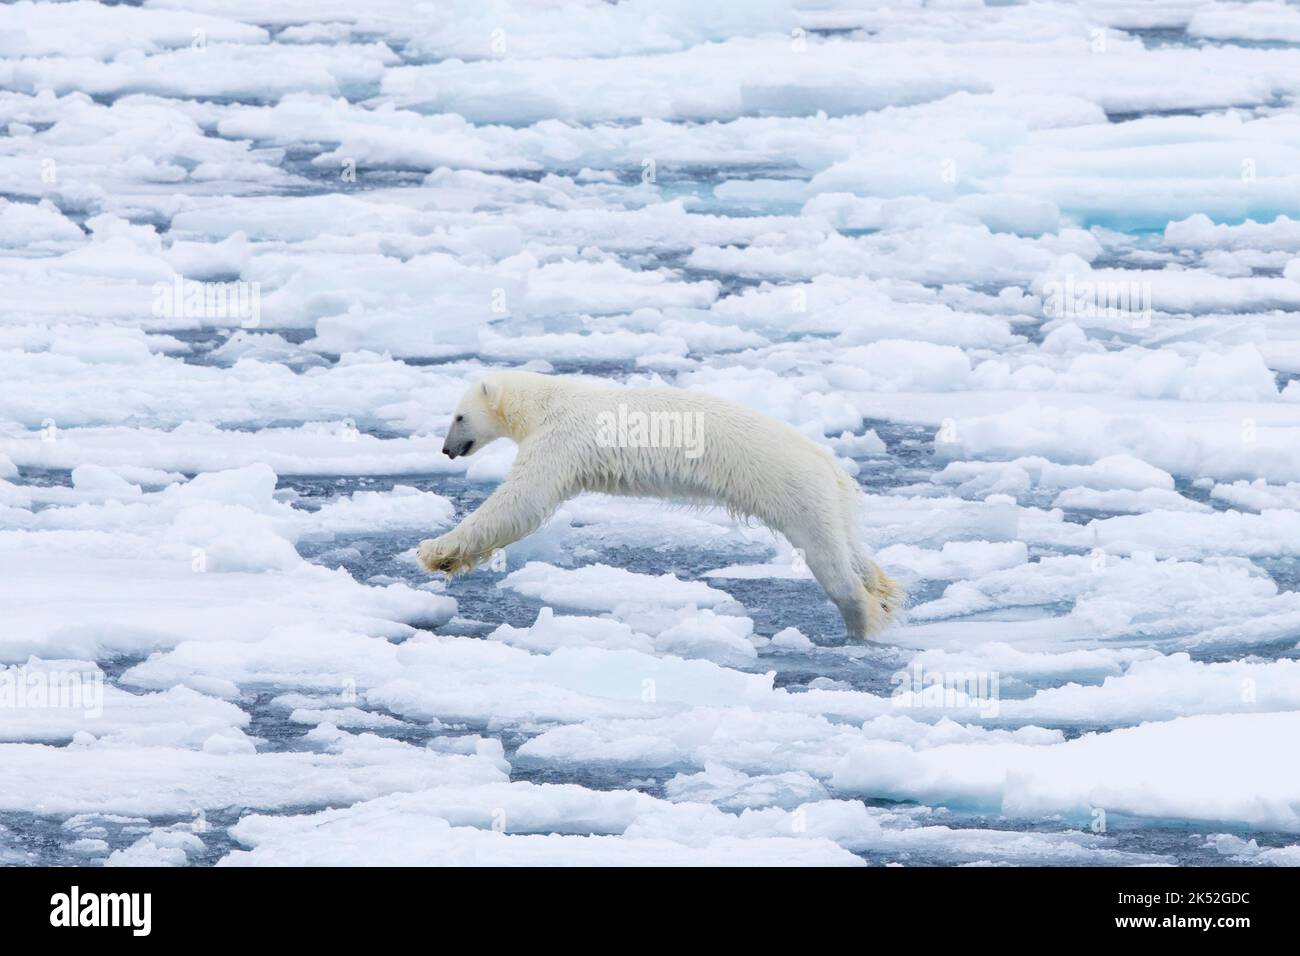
x: 665, y: 443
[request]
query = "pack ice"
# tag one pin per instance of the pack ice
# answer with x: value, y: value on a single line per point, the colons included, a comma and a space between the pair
x: 1031, y: 271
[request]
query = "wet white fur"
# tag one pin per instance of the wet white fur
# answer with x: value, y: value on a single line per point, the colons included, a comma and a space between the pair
x: 751, y: 464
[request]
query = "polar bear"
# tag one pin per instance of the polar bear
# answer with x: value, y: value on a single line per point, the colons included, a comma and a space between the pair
x: 670, y: 443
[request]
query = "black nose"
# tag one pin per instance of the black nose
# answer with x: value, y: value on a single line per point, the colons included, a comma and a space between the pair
x: 448, y: 452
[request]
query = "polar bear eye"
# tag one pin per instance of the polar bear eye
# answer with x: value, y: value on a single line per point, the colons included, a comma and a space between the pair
x: 460, y: 418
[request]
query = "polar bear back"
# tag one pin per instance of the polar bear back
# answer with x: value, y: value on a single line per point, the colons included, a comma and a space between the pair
x: 666, y: 442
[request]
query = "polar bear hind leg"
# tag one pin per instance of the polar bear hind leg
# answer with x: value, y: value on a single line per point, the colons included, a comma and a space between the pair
x: 826, y: 531
x: 867, y: 598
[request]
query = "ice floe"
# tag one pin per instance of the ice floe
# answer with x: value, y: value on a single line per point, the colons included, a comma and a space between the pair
x: 1029, y: 271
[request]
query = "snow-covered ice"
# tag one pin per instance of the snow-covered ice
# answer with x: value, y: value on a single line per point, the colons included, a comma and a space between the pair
x: 1030, y: 270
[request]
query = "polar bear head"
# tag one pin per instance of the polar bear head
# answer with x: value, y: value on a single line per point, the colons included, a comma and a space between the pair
x: 478, y: 420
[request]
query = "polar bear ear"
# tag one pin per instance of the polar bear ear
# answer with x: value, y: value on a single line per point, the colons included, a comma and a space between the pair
x: 491, y: 393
